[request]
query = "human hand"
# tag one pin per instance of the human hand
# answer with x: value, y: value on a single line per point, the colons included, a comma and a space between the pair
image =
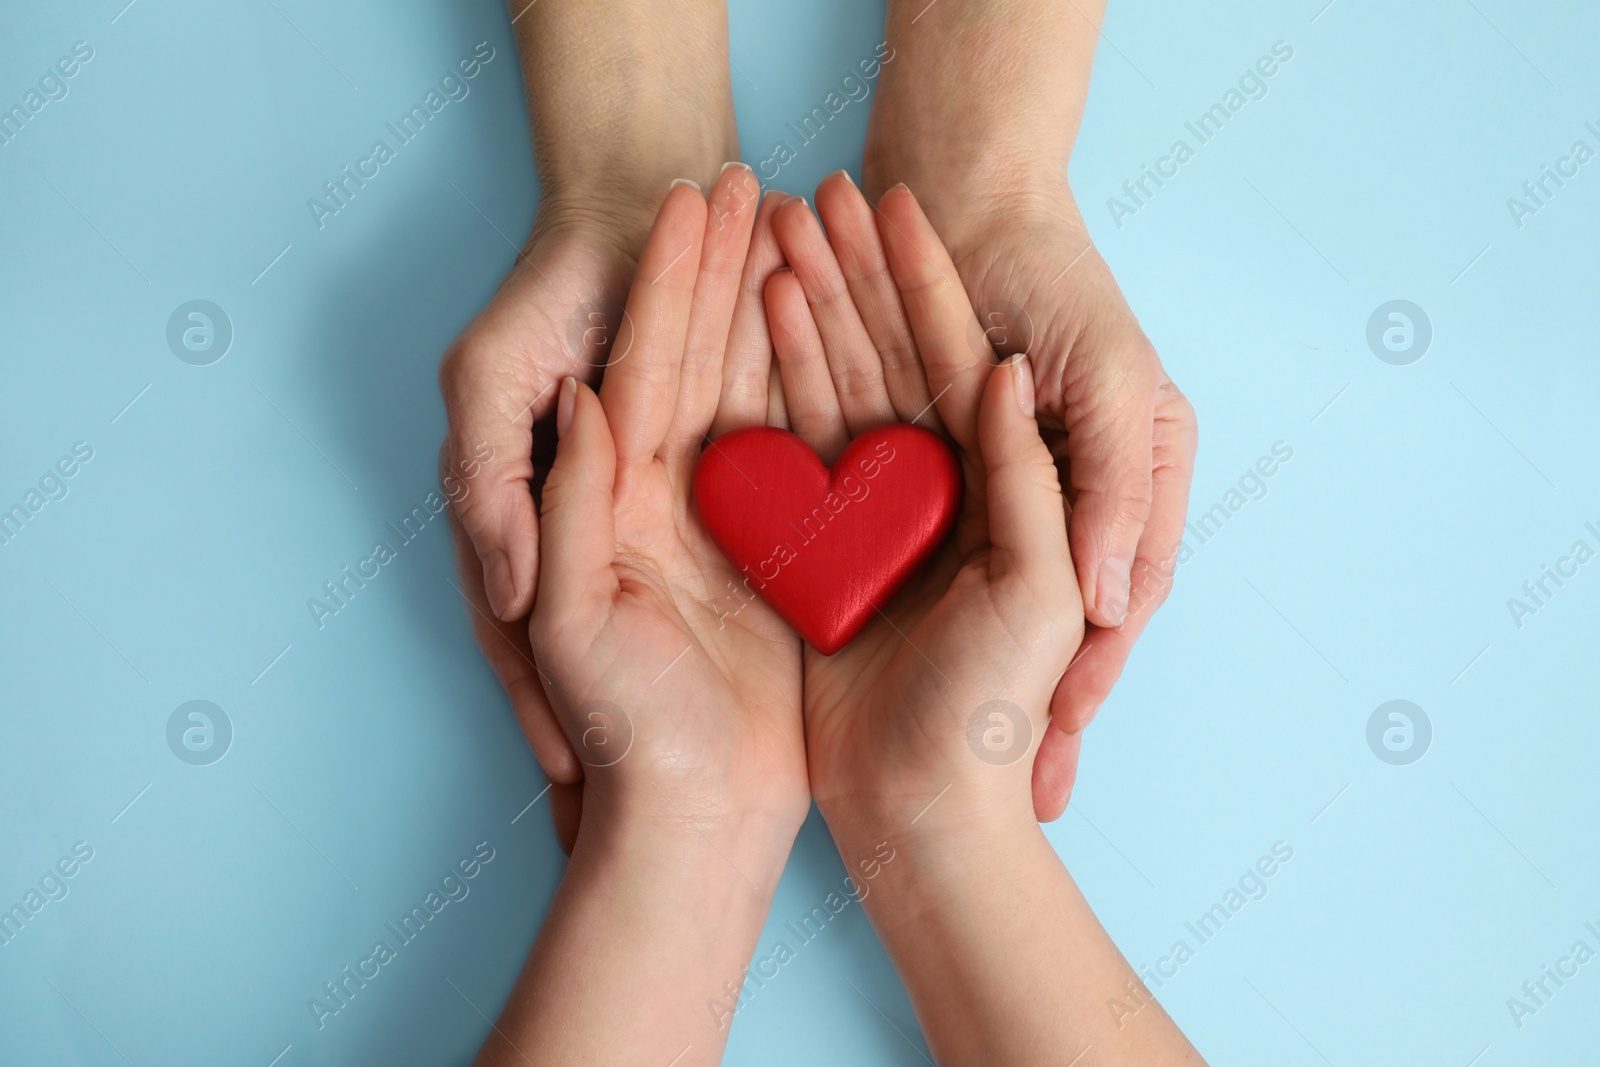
x: 679, y: 696
x: 976, y: 642
x: 636, y: 609
x: 978, y: 114
x: 919, y: 732
x: 1123, y: 436
x: 622, y: 98
x: 500, y: 380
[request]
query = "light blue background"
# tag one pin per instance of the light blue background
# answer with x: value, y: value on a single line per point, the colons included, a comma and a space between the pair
x: 378, y: 750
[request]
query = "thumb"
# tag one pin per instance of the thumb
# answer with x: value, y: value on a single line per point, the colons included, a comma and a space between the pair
x: 579, y: 525
x: 488, y: 470
x: 1027, y: 527
x: 1055, y: 771
x: 1109, y: 455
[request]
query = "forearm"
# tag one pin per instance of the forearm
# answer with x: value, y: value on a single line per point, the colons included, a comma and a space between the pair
x: 624, y: 96
x: 1002, y: 957
x: 650, y: 927
x: 988, y: 94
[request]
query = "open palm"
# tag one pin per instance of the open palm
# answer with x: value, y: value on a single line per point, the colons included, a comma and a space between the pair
x: 673, y: 691
x: 993, y: 620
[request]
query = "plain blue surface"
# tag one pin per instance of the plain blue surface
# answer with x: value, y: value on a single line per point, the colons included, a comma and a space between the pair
x: 378, y: 751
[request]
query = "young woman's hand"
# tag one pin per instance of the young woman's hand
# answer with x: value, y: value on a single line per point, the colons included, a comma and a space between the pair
x: 679, y: 699
x: 947, y: 692
x: 921, y: 733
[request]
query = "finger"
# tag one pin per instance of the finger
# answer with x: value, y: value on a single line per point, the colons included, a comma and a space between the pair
x: 852, y: 360
x: 1055, y: 771
x: 505, y: 645
x: 640, y: 388
x: 1027, y: 515
x: 955, y: 357
x: 777, y: 407
x: 566, y: 813
x: 747, y: 365
x: 1109, y: 455
x: 808, y: 392
x: 854, y: 236
x: 577, y: 583
x: 735, y: 196
x: 1099, y: 663
x: 488, y: 455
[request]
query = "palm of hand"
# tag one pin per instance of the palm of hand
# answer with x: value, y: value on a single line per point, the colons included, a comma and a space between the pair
x: 1122, y: 435
x: 673, y: 685
x: 887, y: 717
x: 880, y: 710
x: 707, y: 680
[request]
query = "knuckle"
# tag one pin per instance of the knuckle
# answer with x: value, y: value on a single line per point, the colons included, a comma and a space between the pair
x: 1122, y: 512
x: 899, y: 355
x: 456, y: 369
x: 856, y: 380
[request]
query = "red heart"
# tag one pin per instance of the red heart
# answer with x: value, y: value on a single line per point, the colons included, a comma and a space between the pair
x: 826, y: 548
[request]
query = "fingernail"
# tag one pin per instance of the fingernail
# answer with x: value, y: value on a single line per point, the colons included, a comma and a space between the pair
x: 564, y: 405
x: 685, y: 181
x: 1111, y: 594
x: 1022, y: 378
x: 730, y: 164
x: 497, y: 581
x: 847, y: 177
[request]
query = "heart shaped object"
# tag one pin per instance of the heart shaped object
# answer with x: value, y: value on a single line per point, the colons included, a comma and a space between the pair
x: 827, y: 548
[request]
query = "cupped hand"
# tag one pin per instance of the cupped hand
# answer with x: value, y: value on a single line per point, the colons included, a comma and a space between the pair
x: 553, y: 316
x: 1122, y: 434
x: 679, y: 697
x: 948, y: 690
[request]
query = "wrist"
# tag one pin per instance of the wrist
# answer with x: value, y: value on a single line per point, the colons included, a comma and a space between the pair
x: 1003, y: 179
x: 617, y: 198
x: 660, y: 914
x: 980, y: 105
x: 974, y: 162
x: 943, y: 864
x: 690, y: 834
x: 622, y: 99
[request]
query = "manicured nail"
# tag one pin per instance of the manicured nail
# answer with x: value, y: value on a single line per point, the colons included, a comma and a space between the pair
x: 846, y: 175
x: 730, y: 164
x: 497, y: 581
x: 564, y: 405
x: 1022, y: 378
x: 685, y: 181
x: 1111, y: 594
